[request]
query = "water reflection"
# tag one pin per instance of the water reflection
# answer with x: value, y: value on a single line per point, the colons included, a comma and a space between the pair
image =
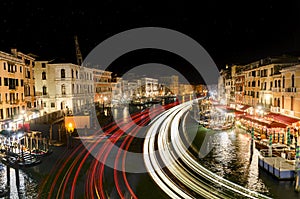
x: 28, y: 186
x: 125, y: 111
x: 231, y: 158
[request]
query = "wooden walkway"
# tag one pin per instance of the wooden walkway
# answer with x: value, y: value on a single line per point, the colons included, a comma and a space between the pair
x: 277, y: 166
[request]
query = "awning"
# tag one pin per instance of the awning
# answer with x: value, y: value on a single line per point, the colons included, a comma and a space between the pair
x: 266, y: 123
x: 236, y: 112
x: 254, y: 120
x: 282, y: 118
x: 277, y: 125
x: 245, y: 107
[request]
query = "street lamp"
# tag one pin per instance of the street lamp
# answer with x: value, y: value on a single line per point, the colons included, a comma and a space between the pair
x: 70, y: 130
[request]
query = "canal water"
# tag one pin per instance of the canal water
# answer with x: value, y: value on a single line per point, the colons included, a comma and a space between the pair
x: 230, y: 158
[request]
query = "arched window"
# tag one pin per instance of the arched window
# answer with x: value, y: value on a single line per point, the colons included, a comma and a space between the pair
x: 283, y: 82
x: 72, y: 71
x: 63, y: 73
x: 76, y: 74
x: 27, y: 90
x: 63, y: 89
x: 44, y: 90
x: 293, y: 81
x: 279, y: 82
x: 73, y: 88
x: 275, y: 83
x: 44, y: 75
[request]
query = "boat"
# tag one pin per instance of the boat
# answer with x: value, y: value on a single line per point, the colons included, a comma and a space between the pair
x: 22, y: 160
x: 41, y: 153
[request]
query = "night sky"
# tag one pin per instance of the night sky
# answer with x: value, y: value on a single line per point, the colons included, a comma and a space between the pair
x: 231, y: 32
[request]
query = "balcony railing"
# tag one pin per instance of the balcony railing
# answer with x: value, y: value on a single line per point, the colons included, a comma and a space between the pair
x: 287, y: 112
x: 275, y: 109
x: 276, y: 89
x: 291, y: 89
x: 14, y: 101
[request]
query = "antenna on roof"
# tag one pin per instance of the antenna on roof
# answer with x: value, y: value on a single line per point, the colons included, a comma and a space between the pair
x: 78, y: 52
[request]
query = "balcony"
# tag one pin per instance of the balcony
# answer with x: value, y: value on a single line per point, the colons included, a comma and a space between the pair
x: 45, y: 95
x: 287, y: 112
x: 266, y: 91
x: 14, y: 101
x: 239, y: 82
x: 276, y: 89
x: 290, y: 90
x: 12, y: 87
x: 239, y: 92
x: 67, y: 95
x: 275, y: 109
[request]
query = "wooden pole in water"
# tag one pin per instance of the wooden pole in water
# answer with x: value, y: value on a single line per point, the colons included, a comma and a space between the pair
x: 8, y: 175
x: 252, y: 141
x: 27, y: 141
x: 37, y: 141
x: 297, y: 167
x: 30, y: 148
x: 288, y: 138
x: 270, y: 145
x: 17, y: 174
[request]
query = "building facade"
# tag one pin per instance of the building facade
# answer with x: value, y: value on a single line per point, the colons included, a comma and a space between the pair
x: 149, y: 87
x: 270, y: 83
x: 12, y: 98
x: 64, y: 86
x: 29, y: 78
x: 289, y: 101
x: 102, y: 86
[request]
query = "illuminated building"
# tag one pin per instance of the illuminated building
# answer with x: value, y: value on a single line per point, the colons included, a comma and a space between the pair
x: 288, y: 102
x: 102, y: 86
x: 29, y: 81
x: 64, y: 86
x: 12, y: 100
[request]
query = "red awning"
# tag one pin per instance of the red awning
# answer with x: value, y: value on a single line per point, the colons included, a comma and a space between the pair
x: 282, y: 118
x: 256, y: 121
x: 266, y: 123
x: 276, y: 125
x: 245, y: 107
x: 236, y: 112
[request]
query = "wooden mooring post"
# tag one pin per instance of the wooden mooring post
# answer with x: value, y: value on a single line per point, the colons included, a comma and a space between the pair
x: 297, y: 169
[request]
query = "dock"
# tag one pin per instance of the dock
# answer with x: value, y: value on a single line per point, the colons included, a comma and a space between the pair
x: 279, y: 167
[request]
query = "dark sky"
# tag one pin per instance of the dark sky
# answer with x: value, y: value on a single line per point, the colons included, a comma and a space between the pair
x: 231, y: 32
